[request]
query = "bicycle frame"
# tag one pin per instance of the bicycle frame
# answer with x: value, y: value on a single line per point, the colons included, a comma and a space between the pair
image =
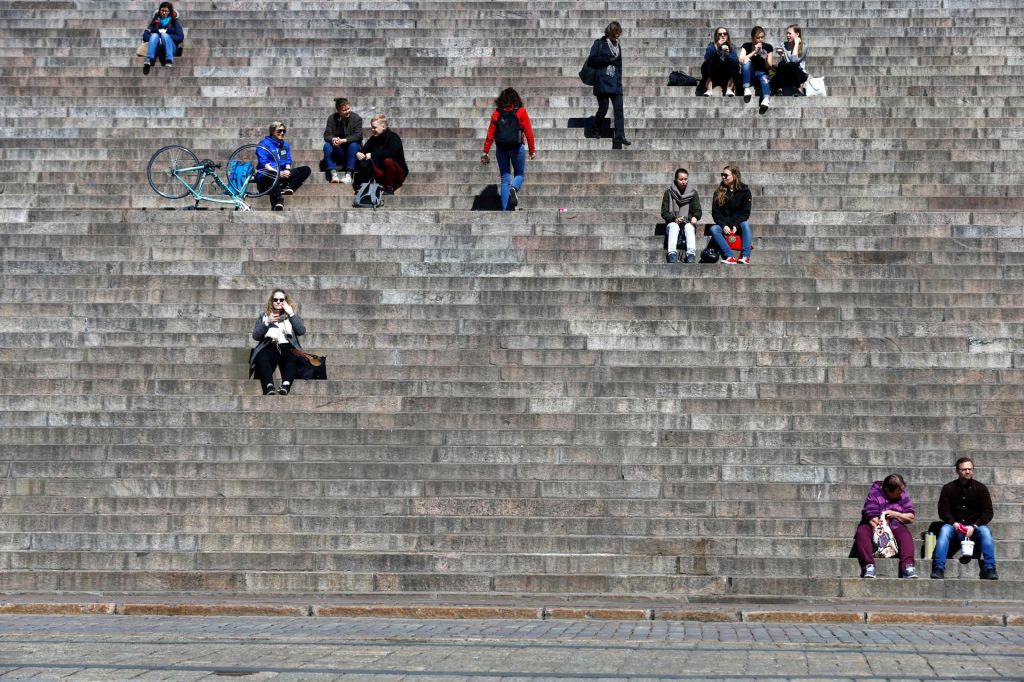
x: 205, y: 171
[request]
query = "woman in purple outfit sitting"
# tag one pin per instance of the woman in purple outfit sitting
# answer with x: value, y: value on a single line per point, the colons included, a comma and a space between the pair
x: 887, y: 498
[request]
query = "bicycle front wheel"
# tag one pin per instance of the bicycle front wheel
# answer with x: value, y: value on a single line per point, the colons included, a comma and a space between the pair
x: 173, y: 170
x: 253, y: 170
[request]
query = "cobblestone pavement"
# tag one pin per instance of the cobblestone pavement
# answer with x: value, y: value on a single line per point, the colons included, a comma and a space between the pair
x: 378, y: 649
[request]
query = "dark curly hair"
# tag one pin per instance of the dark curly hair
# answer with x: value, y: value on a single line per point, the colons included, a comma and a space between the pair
x: 508, y: 98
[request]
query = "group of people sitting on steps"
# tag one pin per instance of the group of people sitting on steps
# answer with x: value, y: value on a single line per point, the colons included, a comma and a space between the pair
x: 380, y: 158
x: 756, y: 65
x: 730, y: 209
x: 964, y: 508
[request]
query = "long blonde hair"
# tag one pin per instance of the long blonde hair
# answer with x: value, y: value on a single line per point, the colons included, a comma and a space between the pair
x: 737, y: 180
x: 800, y: 33
x: 269, y: 308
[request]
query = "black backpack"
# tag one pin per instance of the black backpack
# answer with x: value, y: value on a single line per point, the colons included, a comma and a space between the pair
x: 508, y: 134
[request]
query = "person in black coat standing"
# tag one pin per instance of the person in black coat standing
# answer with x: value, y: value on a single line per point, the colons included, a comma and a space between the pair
x: 606, y: 58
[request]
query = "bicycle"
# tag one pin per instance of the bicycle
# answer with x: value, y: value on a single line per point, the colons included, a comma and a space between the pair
x: 174, y: 172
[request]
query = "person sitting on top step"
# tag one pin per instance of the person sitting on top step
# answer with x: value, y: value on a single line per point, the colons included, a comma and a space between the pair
x: 680, y: 207
x: 965, y: 509
x: 291, y: 178
x: 343, y: 136
x: 382, y: 157
x: 755, y: 65
x: 791, y: 63
x: 164, y: 33
x: 887, y: 499
x: 721, y: 65
x: 509, y: 127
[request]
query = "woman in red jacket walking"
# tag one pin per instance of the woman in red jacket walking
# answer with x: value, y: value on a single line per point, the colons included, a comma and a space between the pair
x: 511, y: 133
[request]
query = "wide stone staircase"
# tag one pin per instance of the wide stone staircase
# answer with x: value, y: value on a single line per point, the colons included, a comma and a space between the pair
x: 528, y: 403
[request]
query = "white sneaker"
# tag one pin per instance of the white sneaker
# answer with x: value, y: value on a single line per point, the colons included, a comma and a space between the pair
x: 335, y: 178
x: 707, y: 93
x: 347, y: 178
x: 766, y: 103
x: 748, y: 92
x: 730, y: 93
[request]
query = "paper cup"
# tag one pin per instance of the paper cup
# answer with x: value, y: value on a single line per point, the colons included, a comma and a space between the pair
x: 967, y: 548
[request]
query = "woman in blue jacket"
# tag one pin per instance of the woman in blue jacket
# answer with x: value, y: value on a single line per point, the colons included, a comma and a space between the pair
x: 164, y: 31
x: 730, y: 208
x: 606, y: 58
x: 721, y: 65
x: 291, y: 178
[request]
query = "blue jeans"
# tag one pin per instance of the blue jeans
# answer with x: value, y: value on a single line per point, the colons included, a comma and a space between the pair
x: 982, y: 535
x: 761, y: 76
x: 154, y: 45
x: 723, y: 246
x: 344, y: 153
x: 509, y: 161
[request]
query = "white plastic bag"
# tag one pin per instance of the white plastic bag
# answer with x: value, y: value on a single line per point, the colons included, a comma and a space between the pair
x: 815, y: 87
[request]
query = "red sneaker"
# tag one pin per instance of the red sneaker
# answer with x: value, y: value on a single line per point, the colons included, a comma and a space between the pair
x: 729, y: 261
x: 744, y: 260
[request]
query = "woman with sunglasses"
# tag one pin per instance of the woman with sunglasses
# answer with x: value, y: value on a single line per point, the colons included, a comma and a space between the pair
x: 721, y: 65
x: 277, y: 331
x: 291, y: 178
x: 730, y: 209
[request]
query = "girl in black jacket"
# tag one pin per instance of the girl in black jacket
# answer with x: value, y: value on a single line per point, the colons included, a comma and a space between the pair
x: 606, y: 58
x: 730, y: 208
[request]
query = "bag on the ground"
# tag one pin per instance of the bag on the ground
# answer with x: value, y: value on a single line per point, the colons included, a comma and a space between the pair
x: 588, y: 74
x: 310, y: 366
x: 369, y: 195
x: 815, y: 87
x: 885, y: 543
x: 142, y: 50
x: 680, y: 78
x: 508, y: 134
x: 710, y: 253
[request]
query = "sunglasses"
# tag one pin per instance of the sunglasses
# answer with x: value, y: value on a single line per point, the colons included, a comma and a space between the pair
x: 281, y: 130
x: 277, y: 300
x: 725, y: 175
x: 721, y: 34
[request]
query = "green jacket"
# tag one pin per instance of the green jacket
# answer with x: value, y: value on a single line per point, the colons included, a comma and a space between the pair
x: 666, y: 214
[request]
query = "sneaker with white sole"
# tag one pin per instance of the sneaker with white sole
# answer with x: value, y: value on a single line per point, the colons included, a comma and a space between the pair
x: 909, y: 572
x: 335, y: 178
x: 347, y: 178
x: 730, y: 93
x: 748, y: 92
x: 731, y: 260
x: 287, y: 190
x: 743, y: 260
x: 869, y: 571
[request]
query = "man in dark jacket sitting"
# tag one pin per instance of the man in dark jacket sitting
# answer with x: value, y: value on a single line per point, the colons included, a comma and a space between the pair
x: 382, y: 157
x: 343, y: 136
x: 965, y: 508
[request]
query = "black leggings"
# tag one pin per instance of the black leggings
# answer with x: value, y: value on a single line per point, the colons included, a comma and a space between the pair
x: 271, y: 358
x: 299, y: 175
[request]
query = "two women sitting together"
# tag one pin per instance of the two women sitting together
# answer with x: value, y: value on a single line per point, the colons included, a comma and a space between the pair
x: 730, y: 209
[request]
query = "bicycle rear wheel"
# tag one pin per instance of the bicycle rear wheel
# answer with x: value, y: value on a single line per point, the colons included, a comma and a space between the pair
x: 166, y: 172
x: 251, y: 174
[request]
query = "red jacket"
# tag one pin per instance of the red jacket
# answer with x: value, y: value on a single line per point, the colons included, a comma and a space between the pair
x: 524, y: 123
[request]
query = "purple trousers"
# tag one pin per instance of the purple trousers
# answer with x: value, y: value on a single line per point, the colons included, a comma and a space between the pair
x: 866, y: 548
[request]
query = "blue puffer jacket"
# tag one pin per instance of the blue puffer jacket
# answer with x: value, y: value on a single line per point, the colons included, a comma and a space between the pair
x: 174, y: 29
x: 600, y: 59
x: 283, y: 149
